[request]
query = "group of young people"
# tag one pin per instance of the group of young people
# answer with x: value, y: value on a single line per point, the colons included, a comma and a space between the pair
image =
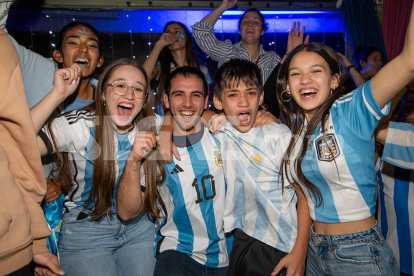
x: 244, y: 193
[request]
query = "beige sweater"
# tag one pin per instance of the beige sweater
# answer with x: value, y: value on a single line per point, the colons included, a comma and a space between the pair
x: 23, y: 228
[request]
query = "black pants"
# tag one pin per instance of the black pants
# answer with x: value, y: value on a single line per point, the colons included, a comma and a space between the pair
x: 27, y: 270
x: 253, y: 257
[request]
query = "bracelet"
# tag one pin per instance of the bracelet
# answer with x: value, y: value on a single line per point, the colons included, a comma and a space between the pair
x: 349, y: 67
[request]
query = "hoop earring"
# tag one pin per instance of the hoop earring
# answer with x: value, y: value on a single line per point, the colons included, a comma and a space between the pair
x: 285, y: 98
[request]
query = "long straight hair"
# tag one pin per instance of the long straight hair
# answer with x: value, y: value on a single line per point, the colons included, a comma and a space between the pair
x: 100, y: 199
x: 294, y: 117
x: 166, y: 58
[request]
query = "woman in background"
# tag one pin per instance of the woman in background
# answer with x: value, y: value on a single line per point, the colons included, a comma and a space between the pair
x: 174, y: 49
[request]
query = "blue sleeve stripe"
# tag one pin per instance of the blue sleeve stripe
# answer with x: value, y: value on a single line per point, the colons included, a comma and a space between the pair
x: 401, y: 198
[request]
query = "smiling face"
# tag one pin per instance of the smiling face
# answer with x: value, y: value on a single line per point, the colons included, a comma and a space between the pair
x: 187, y: 103
x: 310, y: 81
x: 251, y: 27
x: 124, y: 109
x: 174, y: 30
x: 80, y: 45
x: 240, y: 104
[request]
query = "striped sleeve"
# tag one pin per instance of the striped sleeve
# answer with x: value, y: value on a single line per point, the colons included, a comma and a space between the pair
x: 62, y: 134
x: 399, y: 145
x: 360, y: 111
x: 207, y: 41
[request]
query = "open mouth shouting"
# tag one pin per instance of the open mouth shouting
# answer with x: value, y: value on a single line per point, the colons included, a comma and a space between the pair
x: 83, y: 61
x: 125, y: 110
x: 244, y: 118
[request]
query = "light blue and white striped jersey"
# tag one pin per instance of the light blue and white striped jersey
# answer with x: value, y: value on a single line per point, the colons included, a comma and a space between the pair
x: 396, y: 212
x: 341, y: 163
x: 223, y: 51
x: 399, y: 145
x: 74, y: 133
x: 194, y: 196
x: 254, y: 201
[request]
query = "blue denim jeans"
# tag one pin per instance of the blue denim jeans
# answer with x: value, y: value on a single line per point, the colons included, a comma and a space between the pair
x: 359, y: 253
x: 108, y: 247
x: 174, y: 263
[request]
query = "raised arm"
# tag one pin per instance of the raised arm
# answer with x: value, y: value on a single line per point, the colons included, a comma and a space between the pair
x: 150, y: 63
x: 355, y: 75
x: 129, y: 197
x: 65, y: 83
x: 397, y: 73
x: 212, y: 17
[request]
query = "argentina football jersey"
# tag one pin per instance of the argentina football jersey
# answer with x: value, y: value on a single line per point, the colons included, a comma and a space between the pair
x: 75, y: 133
x: 194, y: 194
x: 340, y: 159
x: 255, y: 200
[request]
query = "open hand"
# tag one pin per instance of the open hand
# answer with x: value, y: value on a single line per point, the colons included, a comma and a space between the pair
x: 295, y: 37
x: 47, y: 264
x: 294, y: 264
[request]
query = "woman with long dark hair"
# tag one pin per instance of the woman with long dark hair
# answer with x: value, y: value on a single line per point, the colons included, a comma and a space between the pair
x: 174, y: 49
x: 99, y: 139
x: 331, y: 155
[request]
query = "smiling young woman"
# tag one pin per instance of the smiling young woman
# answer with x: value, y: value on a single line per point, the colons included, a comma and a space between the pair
x: 331, y: 154
x: 100, y: 138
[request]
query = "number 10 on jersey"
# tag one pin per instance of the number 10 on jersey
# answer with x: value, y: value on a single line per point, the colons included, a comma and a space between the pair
x: 208, y: 188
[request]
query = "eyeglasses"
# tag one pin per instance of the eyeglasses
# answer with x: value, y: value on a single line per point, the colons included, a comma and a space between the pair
x: 120, y: 88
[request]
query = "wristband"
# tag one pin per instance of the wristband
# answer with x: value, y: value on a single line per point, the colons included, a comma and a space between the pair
x: 349, y: 67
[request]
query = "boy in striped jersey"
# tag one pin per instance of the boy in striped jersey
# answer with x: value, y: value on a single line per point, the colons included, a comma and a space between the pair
x: 262, y: 213
x: 190, y: 238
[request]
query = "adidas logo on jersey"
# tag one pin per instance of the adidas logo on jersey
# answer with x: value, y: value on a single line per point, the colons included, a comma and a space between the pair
x: 177, y: 169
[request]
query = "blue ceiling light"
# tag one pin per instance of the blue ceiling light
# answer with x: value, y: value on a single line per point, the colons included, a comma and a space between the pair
x: 282, y: 12
x: 124, y: 21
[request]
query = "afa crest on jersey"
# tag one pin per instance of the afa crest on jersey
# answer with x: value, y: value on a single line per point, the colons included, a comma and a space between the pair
x: 327, y: 147
x: 217, y: 157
